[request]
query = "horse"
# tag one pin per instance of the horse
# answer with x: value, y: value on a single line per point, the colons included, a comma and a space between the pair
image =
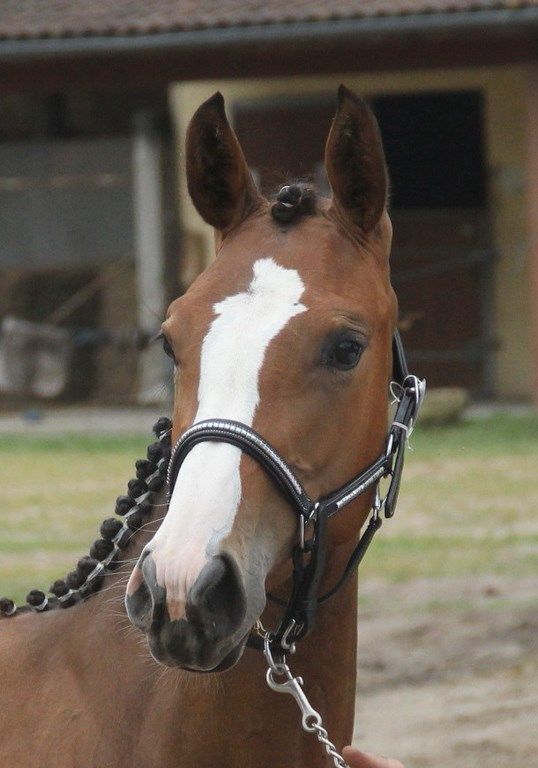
x: 286, y: 340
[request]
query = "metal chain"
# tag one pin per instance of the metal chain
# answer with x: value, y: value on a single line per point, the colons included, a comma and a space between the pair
x: 331, y: 750
x: 311, y: 719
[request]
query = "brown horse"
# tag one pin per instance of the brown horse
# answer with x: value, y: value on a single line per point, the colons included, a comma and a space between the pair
x: 289, y: 332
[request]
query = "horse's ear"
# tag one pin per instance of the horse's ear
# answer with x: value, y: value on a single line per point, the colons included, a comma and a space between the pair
x: 218, y: 177
x: 355, y: 162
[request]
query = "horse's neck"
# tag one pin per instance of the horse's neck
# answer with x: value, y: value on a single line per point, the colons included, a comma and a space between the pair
x: 189, y: 719
x: 130, y: 710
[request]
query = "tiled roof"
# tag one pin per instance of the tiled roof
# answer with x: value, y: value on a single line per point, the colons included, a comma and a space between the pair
x: 31, y: 19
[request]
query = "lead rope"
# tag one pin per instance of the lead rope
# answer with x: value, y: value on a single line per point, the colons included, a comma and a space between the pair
x: 311, y: 719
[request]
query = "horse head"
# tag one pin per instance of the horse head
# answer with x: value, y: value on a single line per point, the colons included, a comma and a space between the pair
x: 288, y: 332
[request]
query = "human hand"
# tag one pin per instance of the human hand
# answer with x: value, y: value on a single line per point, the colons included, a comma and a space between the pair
x: 357, y: 759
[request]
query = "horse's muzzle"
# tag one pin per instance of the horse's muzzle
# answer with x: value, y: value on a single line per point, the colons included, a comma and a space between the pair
x: 206, y: 639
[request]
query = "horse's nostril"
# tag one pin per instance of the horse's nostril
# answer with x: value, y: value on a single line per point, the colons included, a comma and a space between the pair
x: 146, y: 600
x: 217, y: 601
x: 139, y: 606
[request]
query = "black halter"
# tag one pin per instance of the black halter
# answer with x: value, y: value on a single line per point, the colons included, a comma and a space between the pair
x: 309, y: 555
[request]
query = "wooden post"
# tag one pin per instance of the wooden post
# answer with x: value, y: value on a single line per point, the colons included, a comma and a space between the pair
x: 149, y: 251
x: 532, y: 208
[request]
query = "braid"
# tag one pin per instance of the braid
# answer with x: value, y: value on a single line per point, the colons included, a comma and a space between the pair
x: 89, y: 574
x: 38, y: 600
x: 293, y: 200
x: 7, y: 607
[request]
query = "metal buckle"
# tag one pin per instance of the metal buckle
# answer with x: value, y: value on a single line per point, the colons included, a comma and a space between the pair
x: 413, y: 389
x: 377, y: 506
x: 304, y: 522
x: 418, y: 388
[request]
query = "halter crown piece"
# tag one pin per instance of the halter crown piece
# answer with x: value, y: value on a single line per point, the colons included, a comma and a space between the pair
x: 309, y: 555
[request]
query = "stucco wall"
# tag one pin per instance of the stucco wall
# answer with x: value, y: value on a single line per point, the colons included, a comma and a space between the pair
x: 504, y: 91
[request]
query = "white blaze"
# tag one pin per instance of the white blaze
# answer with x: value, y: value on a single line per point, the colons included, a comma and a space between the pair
x: 208, y: 488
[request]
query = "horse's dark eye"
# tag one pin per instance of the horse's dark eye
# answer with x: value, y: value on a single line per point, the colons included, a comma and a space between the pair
x: 344, y: 354
x: 168, y: 347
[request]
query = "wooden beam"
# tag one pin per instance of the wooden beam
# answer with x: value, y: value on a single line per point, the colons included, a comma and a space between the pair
x: 149, y: 251
x: 532, y: 209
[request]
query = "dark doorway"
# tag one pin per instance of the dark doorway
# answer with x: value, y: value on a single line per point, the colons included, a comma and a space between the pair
x: 442, y: 257
x: 433, y: 143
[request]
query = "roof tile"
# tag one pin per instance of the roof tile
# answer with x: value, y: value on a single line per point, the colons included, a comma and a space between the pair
x: 75, y: 18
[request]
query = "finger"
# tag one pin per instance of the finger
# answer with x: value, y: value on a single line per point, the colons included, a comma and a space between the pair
x: 357, y: 759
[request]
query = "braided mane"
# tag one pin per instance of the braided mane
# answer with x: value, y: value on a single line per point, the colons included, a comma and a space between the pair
x: 133, y: 510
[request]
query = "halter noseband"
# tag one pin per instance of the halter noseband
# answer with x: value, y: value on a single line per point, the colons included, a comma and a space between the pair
x: 309, y: 555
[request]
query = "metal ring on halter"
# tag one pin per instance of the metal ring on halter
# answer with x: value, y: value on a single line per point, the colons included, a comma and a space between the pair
x: 396, y: 396
x: 418, y: 387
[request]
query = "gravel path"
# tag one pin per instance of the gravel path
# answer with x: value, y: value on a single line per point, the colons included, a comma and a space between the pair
x: 455, y: 684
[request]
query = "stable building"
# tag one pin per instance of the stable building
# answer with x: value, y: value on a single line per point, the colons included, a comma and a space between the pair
x: 97, y: 100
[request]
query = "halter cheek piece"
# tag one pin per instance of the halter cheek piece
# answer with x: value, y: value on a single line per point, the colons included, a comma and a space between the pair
x: 309, y: 555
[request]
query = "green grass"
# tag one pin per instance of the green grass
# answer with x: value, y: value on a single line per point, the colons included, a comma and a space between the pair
x: 400, y: 558
x: 55, y: 493
x: 494, y: 436
x: 467, y: 504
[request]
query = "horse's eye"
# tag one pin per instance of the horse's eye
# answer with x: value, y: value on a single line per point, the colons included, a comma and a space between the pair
x: 168, y: 347
x: 344, y: 354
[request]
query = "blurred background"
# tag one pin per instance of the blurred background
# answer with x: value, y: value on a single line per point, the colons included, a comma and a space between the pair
x: 97, y: 235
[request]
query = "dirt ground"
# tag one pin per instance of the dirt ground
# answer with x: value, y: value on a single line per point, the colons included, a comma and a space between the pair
x: 448, y: 672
